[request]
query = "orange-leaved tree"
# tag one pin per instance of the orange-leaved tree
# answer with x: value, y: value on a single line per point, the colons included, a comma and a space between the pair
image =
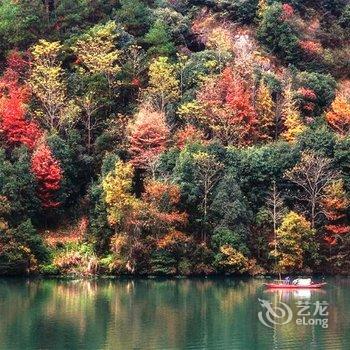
x: 337, y: 230
x: 148, y: 138
x: 162, y: 199
x: 188, y: 134
x: 338, y: 117
x: 335, y: 204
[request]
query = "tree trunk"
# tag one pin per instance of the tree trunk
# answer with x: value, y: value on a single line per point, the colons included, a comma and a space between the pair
x: 204, y: 233
x: 313, y: 210
x: 89, y: 133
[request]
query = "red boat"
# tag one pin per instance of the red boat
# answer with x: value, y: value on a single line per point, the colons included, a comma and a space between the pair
x: 295, y: 286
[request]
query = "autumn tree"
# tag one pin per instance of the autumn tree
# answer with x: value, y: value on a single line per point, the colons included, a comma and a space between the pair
x: 188, y: 134
x: 307, y: 99
x: 17, y: 129
x: 335, y: 204
x: 97, y: 53
x: 148, y: 138
x: 48, y: 174
x: 117, y: 188
x: 225, y: 110
x: 291, y: 117
x: 230, y: 260
x: 176, y: 244
x: 207, y: 172
x: 262, y: 6
x: 275, y: 207
x: 338, y: 117
x: 162, y: 214
x: 125, y: 216
x: 246, y: 56
x: 14, y: 97
x: 312, y: 175
x: 164, y: 86
x: 311, y: 50
x: 295, y: 243
x: 49, y: 86
x: 265, y: 108
x: 16, y: 71
x: 89, y: 106
x: 220, y: 39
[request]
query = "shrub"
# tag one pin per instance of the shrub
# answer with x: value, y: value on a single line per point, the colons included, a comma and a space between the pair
x: 276, y: 31
x: 22, y: 249
x: 76, y: 259
x: 322, y: 85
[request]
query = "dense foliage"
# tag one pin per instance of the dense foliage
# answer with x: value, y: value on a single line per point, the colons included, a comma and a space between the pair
x: 174, y: 136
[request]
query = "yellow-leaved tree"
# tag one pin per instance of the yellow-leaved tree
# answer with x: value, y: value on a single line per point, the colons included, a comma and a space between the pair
x: 164, y: 86
x: 232, y: 261
x: 262, y: 6
x: 117, y: 187
x: 49, y: 86
x: 294, y: 241
x: 292, y: 120
x: 265, y: 108
x: 97, y: 53
x: 220, y: 39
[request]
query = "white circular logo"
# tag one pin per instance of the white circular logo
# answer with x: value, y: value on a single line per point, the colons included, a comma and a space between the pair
x: 274, y: 315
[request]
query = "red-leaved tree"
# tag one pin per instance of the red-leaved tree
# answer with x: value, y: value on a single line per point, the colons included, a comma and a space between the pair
x: 13, y: 123
x: 14, y: 96
x: 48, y: 174
x: 307, y: 99
x: 17, y: 67
x: 189, y: 134
x: 228, y: 112
x: 18, y: 130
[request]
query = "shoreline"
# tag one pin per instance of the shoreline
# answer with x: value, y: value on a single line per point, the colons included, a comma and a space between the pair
x: 155, y: 277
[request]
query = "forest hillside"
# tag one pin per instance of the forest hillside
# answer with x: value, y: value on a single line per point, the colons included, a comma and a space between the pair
x: 174, y: 137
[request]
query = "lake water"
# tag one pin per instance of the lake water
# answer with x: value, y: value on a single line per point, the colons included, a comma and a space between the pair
x: 169, y: 314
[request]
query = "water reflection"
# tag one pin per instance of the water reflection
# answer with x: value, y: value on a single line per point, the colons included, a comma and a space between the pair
x: 304, y: 294
x: 165, y: 314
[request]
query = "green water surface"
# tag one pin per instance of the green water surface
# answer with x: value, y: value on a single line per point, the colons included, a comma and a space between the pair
x: 165, y: 314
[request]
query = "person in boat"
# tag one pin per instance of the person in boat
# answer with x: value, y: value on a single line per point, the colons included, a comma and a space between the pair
x: 287, y: 280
